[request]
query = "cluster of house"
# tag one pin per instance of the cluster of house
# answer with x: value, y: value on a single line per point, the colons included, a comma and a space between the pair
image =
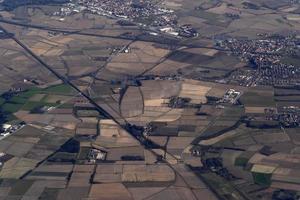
x: 8, y: 129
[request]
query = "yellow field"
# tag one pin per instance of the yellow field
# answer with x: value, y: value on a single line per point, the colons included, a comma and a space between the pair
x: 155, y: 102
x: 109, y: 191
x: 196, y: 93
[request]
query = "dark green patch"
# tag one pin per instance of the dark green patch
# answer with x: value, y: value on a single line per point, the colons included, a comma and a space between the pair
x: 262, y: 179
x: 59, y: 89
x: 29, y: 93
x: 18, y: 100
x: 2, y: 101
x: 241, y: 161
x: 11, y: 107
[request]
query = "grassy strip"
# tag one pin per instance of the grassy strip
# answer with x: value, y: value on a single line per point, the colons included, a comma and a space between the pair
x: 59, y: 89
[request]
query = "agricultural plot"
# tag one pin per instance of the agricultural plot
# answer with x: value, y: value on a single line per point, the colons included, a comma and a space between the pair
x: 196, y: 93
x: 111, y: 135
x: 171, y: 88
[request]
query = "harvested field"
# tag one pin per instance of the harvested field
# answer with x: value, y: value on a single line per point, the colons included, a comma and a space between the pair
x: 111, y: 135
x: 218, y: 138
x: 132, y: 103
x: 118, y: 153
x: 142, y: 173
x: 86, y: 131
x: 161, y: 89
x: 196, y: 93
x: 16, y: 167
x: 80, y: 179
x: 257, y: 110
x: 109, y: 191
x: 140, y: 193
x: 179, y: 142
x: 170, y: 116
x: 269, y: 138
x: 133, y: 173
x: 74, y: 193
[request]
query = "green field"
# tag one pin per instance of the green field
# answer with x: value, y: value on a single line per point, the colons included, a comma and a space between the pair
x: 59, y: 89
x: 21, y: 100
x: 11, y: 107
x: 241, y: 161
x: 262, y: 179
x: 18, y: 100
x: 2, y: 100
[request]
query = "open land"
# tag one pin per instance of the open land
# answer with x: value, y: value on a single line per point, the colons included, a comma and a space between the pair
x: 149, y: 99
